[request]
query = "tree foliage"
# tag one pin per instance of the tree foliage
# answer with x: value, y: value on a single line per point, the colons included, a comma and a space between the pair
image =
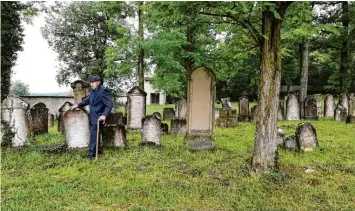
x: 19, y: 88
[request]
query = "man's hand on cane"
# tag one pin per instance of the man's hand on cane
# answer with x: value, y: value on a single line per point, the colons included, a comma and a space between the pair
x: 102, y: 119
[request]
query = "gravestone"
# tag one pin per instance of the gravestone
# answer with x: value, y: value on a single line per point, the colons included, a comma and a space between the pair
x: 253, y: 112
x: 136, y: 108
x: 200, y: 114
x: 114, y: 135
x: 151, y: 132
x: 180, y: 109
x: 115, y: 118
x: 340, y: 113
x: 216, y: 113
x: 50, y: 120
x: 65, y: 107
x: 244, y: 109
x: 38, y: 116
x: 344, y: 101
x: 310, y: 108
x: 306, y: 137
x: 14, y: 120
x: 178, y: 126
x: 76, y: 125
x: 281, y: 111
x: 318, y: 98
x: 280, y: 136
x: 164, y: 128
x: 157, y: 114
x: 226, y: 103
x: 227, y: 118
x: 293, y: 108
x: 80, y: 90
x: 329, y: 106
x: 168, y: 113
x: 291, y: 143
x: 352, y: 110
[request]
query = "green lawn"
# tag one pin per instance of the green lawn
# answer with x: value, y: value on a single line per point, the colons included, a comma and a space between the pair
x: 172, y: 178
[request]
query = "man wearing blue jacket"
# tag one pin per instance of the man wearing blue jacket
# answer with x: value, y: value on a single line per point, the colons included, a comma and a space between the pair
x: 100, y: 107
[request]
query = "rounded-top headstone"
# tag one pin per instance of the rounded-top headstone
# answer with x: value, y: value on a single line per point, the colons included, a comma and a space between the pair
x: 39, y: 118
x: 293, y: 107
x: 157, y: 114
x: 80, y: 90
x: 306, y: 137
x: 136, y: 108
x: 329, y: 106
x: 151, y: 132
x: 76, y: 125
x: 344, y: 101
x: 310, y: 108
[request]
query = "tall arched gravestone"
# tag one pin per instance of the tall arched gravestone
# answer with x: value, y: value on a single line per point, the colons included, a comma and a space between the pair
x: 76, y: 125
x: 244, y: 109
x: 293, y: 108
x: 344, y: 101
x: 80, y: 90
x: 329, y: 106
x: 65, y: 107
x: 136, y: 108
x: 200, y: 109
x: 14, y: 115
x: 39, y: 119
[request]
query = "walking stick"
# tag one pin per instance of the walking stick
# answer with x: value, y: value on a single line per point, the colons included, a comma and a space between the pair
x: 97, y: 139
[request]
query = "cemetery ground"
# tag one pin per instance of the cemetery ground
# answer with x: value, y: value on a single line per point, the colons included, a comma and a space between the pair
x: 172, y: 178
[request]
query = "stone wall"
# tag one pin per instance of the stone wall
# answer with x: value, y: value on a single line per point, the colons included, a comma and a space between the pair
x: 53, y: 103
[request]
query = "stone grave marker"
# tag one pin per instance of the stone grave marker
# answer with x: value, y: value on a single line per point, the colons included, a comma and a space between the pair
x: 293, y: 108
x: 76, y: 125
x: 329, y: 106
x: 136, y: 108
x: 151, y: 132
x: 38, y: 116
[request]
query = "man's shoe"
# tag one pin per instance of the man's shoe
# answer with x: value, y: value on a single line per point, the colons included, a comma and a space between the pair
x: 88, y: 157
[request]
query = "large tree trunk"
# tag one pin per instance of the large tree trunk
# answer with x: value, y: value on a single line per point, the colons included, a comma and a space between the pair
x: 265, y: 149
x: 141, y: 50
x: 304, y: 61
x: 344, y: 48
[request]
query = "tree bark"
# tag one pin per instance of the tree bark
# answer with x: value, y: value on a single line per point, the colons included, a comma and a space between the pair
x: 304, y: 61
x: 265, y: 149
x: 141, y: 50
x: 344, y: 48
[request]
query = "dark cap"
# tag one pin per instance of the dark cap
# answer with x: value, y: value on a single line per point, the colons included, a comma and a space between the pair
x: 94, y: 78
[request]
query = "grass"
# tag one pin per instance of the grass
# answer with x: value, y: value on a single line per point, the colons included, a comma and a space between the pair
x: 172, y: 178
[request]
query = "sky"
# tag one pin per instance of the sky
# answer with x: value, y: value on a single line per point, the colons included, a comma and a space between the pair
x: 36, y: 64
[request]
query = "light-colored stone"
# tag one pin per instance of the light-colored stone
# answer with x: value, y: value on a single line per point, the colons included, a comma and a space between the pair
x: 340, y: 113
x: 344, y: 101
x: 291, y: 143
x: 280, y: 136
x: 329, y: 106
x: 151, y: 132
x: 136, y: 108
x: 306, y: 137
x: 80, y: 90
x: 76, y: 125
x: 180, y: 109
x: 253, y: 112
x: 318, y: 98
x: 293, y: 108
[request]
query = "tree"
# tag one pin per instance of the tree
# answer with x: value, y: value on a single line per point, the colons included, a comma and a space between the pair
x: 141, y: 50
x: 19, y: 88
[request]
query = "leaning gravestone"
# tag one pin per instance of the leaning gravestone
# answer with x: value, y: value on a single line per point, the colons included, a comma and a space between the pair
x: 329, y: 106
x: 114, y: 135
x: 168, y: 113
x: 14, y: 120
x: 244, y: 109
x: 50, y: 120
x: 340, y: 113
x: 38, y: 116
x: 344, y: 101
x: 306, y: 137
x: 318, y: 98
x: 136, y: 108
x: 227, y: 118
x: 293, y: 107
x: 178, y: 126
x: 76, y: 125
x: 180, y: 109
x: 115, y: 118
x: 151, y: 132
x: 310, y: 108
x: 200, y: 114
x: 352, y: 111
x: 65, y: 107
x: 280, y: 112
x: 253, y: 112
x: 80, y: 90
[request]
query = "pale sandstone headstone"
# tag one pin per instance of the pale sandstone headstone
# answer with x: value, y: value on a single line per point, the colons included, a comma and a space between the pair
x: 306, y: 137
x: 80, y: 90
x: 180, y: 109
x: 50, y: 120
x: 14, y: 114
x: 136, y: 108
x: 168, y: 113
x: 340, y: 113
x: 329, y: 106
x: 318, y: 98
x: 344, y: 101
x: 310, y: 108
x: 151, y: 131
x: 200, y: 113
x: 76, y: 125
x: 38, y: 116
x: 114, y: 135
x: 280, y: 136
x: 293, y: 108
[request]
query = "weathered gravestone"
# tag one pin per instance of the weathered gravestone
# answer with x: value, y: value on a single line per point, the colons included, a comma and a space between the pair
x: 168, y: 113
x: 76, y: 125
x: 156, y: 114
x: 280, y: 136
x: 226, y: 103
x: 50, y: 120
x: 180, y: 109
x: 200, y: 109
x: 352, y: 111
x: 80, y: 90
x: 318, y: 98
x: 114, y: 135
x: 329, y: 106
x: 164, y: 128
x: 344, y: 101
x: 253, y: 112
x: 310, y: 108
x: 38, y: 116
x: 178, y: 126
x: 281, y: 111
x: 136, y: 108
x: 151, y: 132
x: 306, y: 137
x: 340, y: 113
x: 216, y: 113
x: 244, y: 109
x: 15, y: 125
x: 65, y: 107
x: 291, y: 143
x: 115, y: 118
x: 293, y: 107
x: 227, y: 118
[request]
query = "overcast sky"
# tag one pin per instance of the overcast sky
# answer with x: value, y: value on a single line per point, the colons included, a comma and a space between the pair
x: 36, y: 64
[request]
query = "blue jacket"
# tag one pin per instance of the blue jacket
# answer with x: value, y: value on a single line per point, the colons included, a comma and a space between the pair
x: 100, y: 103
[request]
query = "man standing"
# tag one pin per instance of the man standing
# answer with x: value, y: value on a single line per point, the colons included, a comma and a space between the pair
x: 100, y: 107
